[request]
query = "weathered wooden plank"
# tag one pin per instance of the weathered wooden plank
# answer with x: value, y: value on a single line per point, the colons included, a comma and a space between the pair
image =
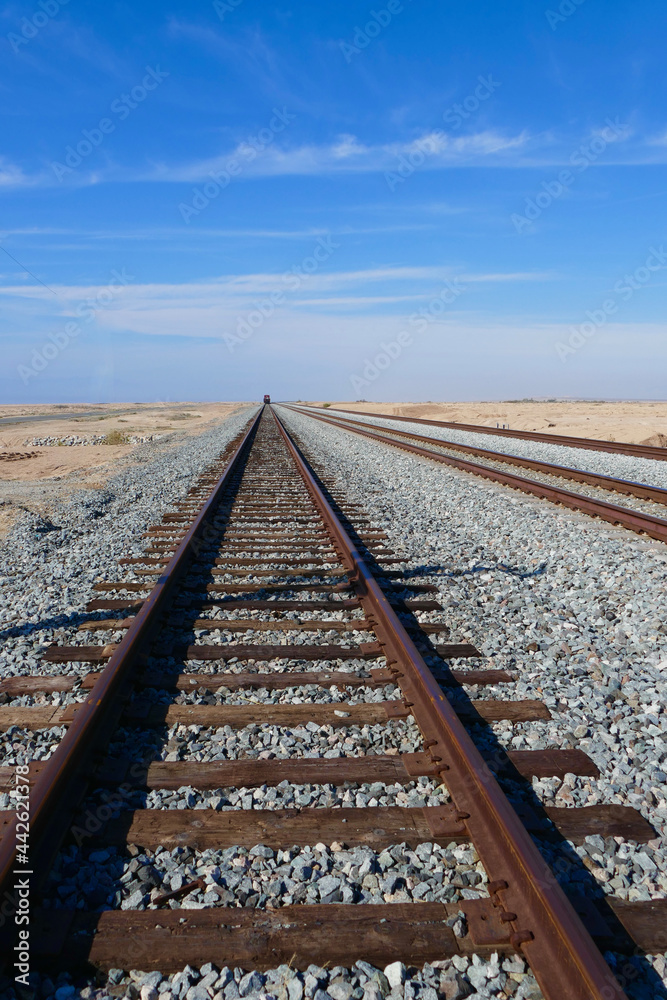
x: 168, y: 940
x: 30, y: 717
x: 235, y: 682
x: 417, y: 588
x: 330, y: 714
x: 238, y: 716
x: 252, y: 773
x: 645, y: 922
x: 13, y: 686
x: 277, y: 605
x: 267, y: 588
x: 430, y: 628
x: 375, y: 827
x: 96, y: 654
x: 234, y: 625
x: 517, y: 711
x: 576, y: 824
x: 547, y: 763
x: 339, y: 714
x: 78, y: 654
x: 203, y: 828
x: 365, y: 650
x: 105, y: 625
x: 320, y: 537
x: 19, y: 685
x: 454, y: 650
x: 282, y: 625
x: 478, y: 677
x: 114, y: 604
x: 318, y: 559
x: 323, y: 571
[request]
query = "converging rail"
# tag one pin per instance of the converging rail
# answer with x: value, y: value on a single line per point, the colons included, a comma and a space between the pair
x: 590, y: 444
x: 627, y: 517
x: 262, y: 534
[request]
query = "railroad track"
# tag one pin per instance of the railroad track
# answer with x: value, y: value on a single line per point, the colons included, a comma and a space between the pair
x: 635, y: 519
x: 265, y: 545
x: 590, y: 444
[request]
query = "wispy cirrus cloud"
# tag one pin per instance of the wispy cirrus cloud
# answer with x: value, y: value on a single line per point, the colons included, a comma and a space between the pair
x: 206, y: 309
x: 13, y: 176
x: 348, y: 154
x: 236, y: 286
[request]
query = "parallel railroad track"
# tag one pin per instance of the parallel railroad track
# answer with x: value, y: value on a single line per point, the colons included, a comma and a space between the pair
x: 590, y: 444
x: 223, y: 557
x: 638, y: 520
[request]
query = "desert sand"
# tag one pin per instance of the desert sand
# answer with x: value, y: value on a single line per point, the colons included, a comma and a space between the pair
x: 636, y: 422
x: 32, y: 477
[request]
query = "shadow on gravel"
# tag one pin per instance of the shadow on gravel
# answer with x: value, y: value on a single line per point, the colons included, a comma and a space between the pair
x: 628, y: 962
x: 438, y: 570
x: 562, y: 863
x: 57, y: 621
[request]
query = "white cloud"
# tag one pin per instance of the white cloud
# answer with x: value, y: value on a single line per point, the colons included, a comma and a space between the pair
x: 209, y: 308
x: 12, y: 176
x: 349, y: 154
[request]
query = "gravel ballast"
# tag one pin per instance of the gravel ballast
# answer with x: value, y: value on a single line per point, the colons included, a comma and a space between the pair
x: 572, y: 606
x: 48, y: 567
x: 639, y: 470
x: 499, y: 593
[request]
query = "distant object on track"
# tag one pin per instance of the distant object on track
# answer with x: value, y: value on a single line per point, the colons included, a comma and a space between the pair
x: 267, y: 398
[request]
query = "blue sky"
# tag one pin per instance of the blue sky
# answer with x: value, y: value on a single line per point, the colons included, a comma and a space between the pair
x: 407, y: 200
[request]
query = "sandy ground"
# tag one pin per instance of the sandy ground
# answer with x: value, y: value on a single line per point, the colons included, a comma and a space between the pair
x: 639, y: 423
x: 33, y: 477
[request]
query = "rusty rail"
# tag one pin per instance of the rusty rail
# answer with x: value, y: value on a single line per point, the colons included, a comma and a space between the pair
x: 527, y: 910
x: 591, y: 444
x: 628, y: 487
x: 545, y: 927
x: 634, y: 520
x: 51, y: 794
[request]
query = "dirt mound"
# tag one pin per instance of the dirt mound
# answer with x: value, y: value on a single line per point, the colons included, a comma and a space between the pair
x: 657, y: 440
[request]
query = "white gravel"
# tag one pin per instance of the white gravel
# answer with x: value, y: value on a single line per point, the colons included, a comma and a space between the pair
x: 587, y: 599
x: 511, y: 573
x: 640, y: 470
x: 48, y: 567
x: 651, y: 507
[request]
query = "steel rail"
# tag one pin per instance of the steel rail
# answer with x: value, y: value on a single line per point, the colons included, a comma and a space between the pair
x: 545, y: 927
x: 591, y: 444
x: 634, y: 520
x: 642, y: 491
x: 50, y: 788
